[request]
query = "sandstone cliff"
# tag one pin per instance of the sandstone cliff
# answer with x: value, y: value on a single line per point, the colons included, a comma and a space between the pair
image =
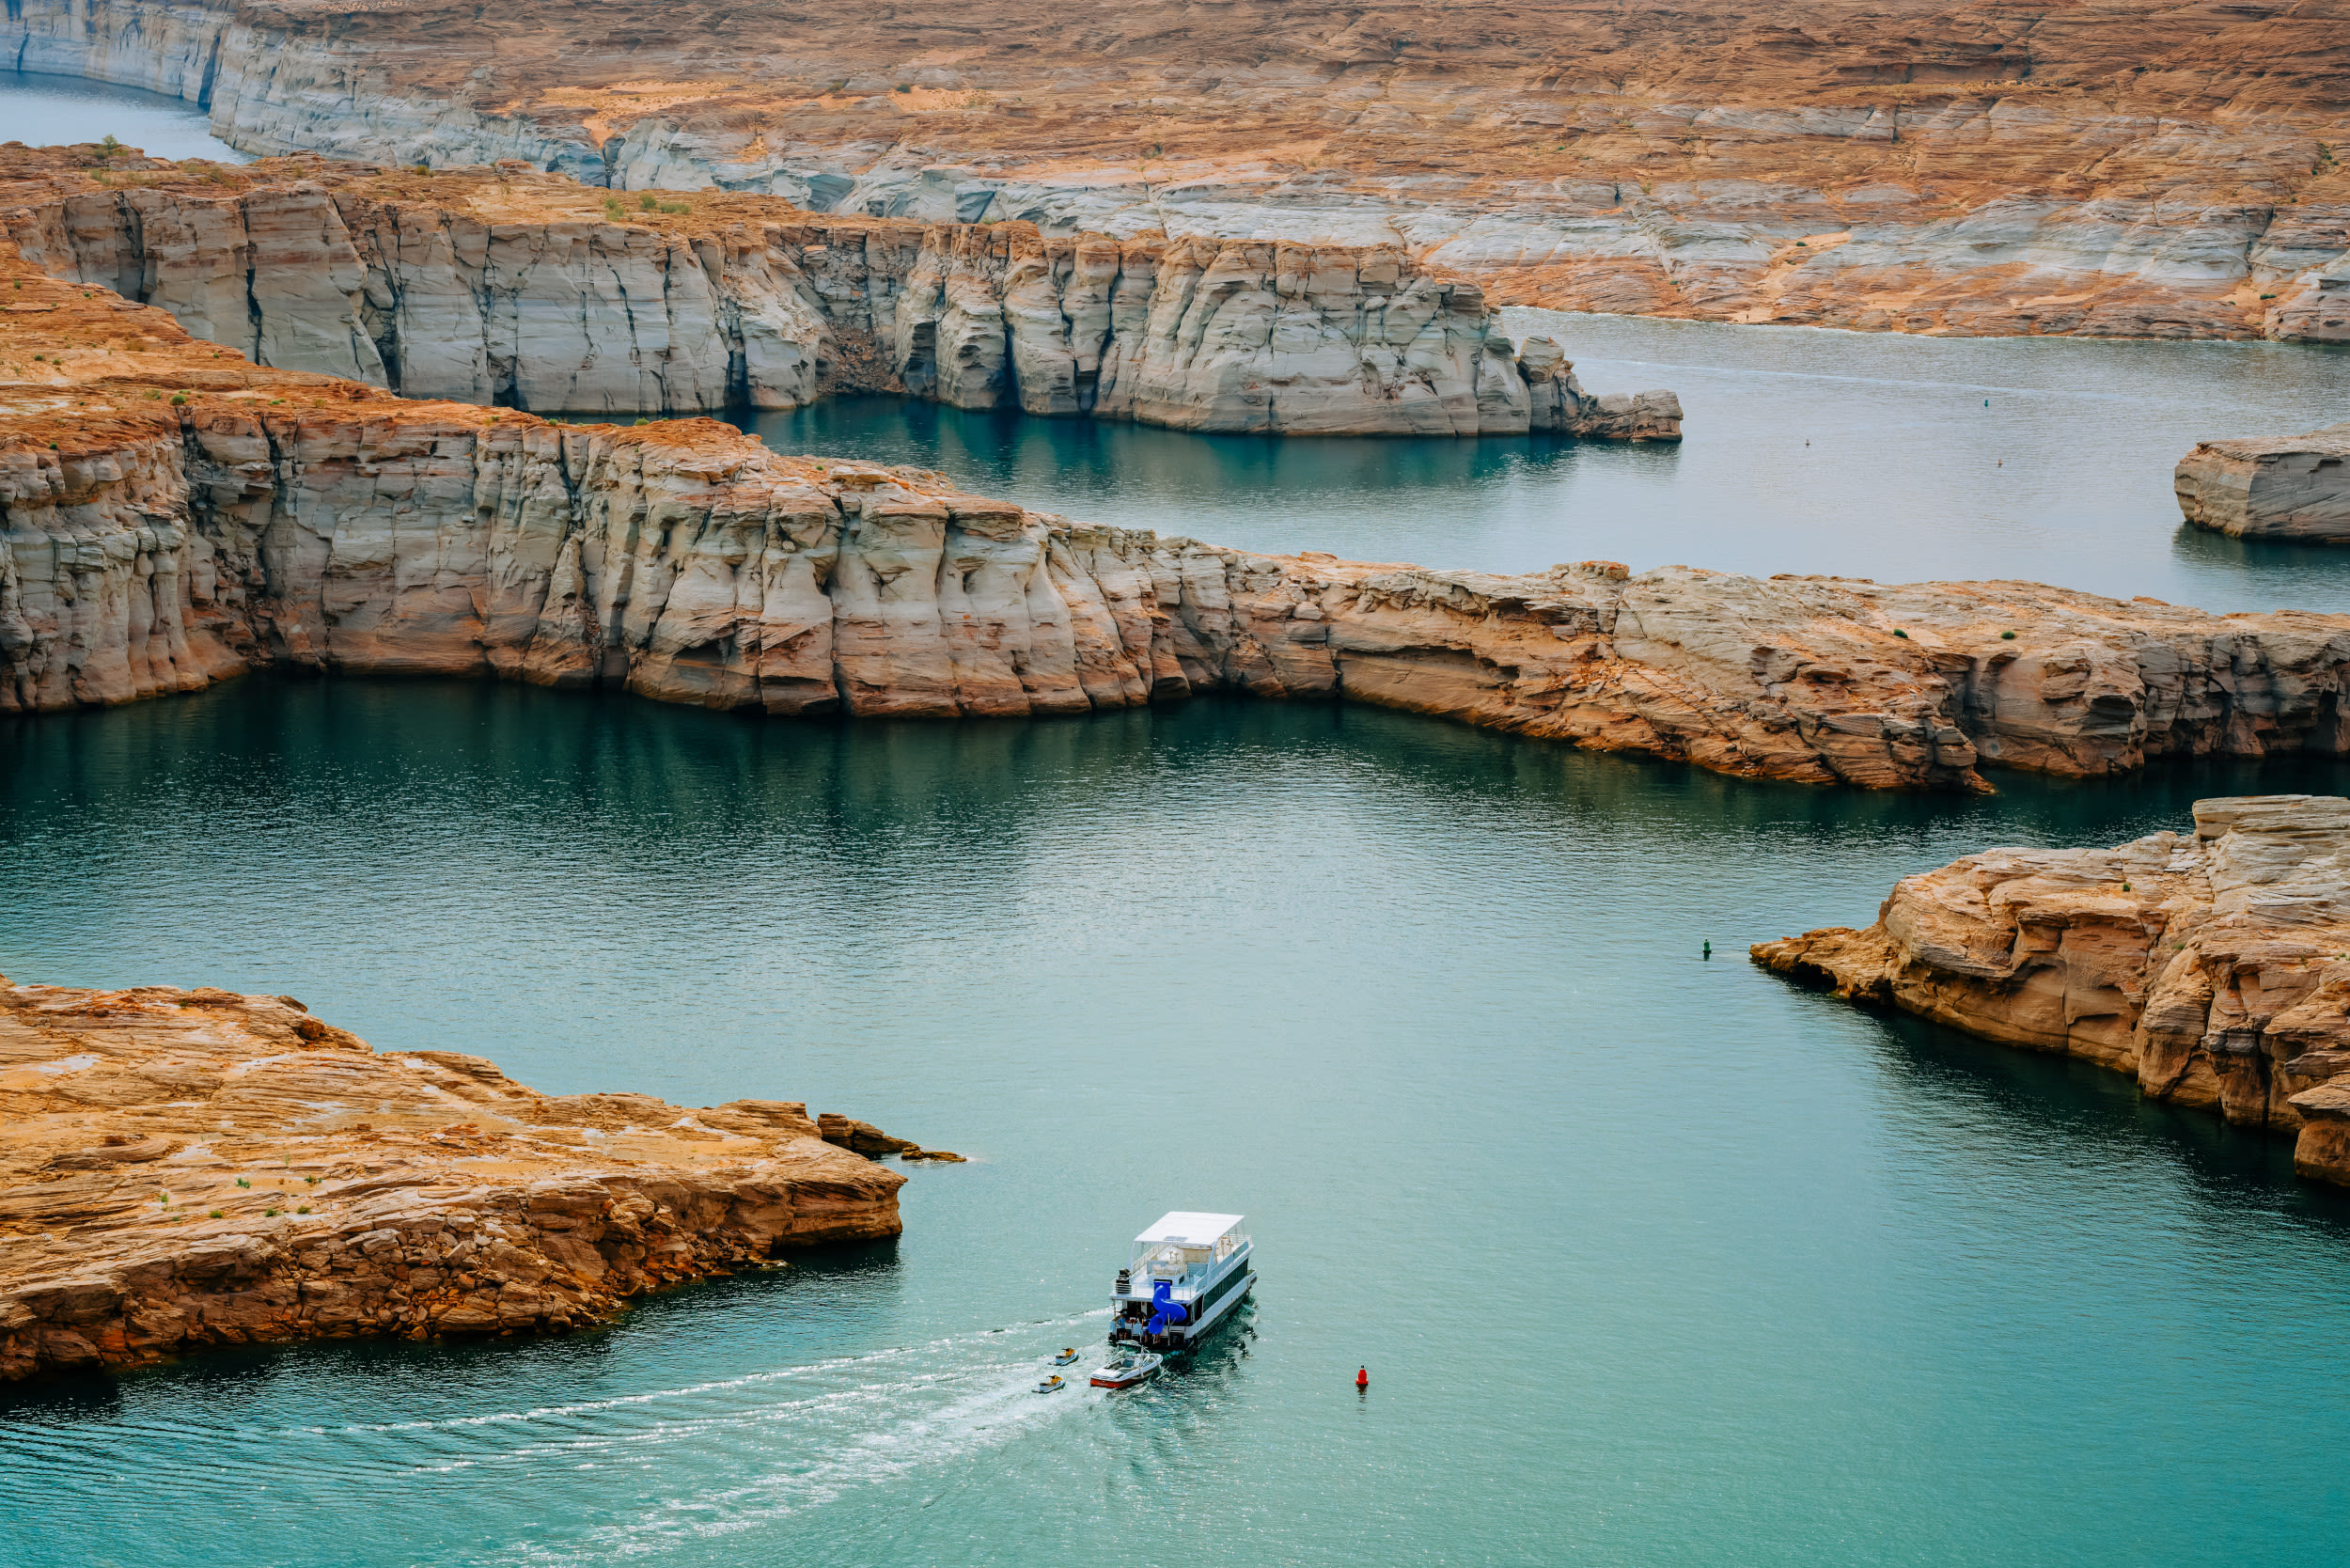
x: 2291, y: 487
x: 2140, y: 169
x: 173, y: 515
x: 519, y: 289
x: 188, y: 1168
x: 2214, y: 965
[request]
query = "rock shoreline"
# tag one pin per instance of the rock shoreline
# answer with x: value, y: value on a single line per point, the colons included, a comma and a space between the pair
x: 173, y: 516
x: 2212, y: 965
x: 184, y: 1169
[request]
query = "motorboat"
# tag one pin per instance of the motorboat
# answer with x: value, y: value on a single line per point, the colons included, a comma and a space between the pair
x: 1185, y: 1275
x: 1128, y: 1368
x: 1051, y: 1385
x: 1065, y: 1357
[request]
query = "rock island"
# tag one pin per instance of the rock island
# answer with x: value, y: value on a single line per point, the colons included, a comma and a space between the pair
x: 190, y: 1169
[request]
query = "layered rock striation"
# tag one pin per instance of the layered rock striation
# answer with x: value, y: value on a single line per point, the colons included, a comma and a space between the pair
x: 2143, y: 168
x: 2291, y: 487
x: 2214, y: 964
x: 518, y: 290
x: 173, y: 516
x: 181, y: 1169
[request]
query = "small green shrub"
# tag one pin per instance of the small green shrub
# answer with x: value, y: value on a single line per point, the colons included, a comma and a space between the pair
x: 1899, y: 632
x: 2006, y: 636
x: 304, y: 1210
x: 648, y: 202
x: 269, y: 1214
x: 178, y: 399
x: 243, y: 1183
x: 677, y: 207
x: 216, y: 1214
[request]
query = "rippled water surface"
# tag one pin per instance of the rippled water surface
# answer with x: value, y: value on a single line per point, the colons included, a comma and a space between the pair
x: 58, y: 111
x: 1653, y: 1260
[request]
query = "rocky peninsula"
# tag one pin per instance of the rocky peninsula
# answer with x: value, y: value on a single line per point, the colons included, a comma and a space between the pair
x: 2147, y: 168
x: 2287, y: 487
x: 522, y: 289
x: 174, y: 515
x: 190, y: 1169
x: 2214, y: 964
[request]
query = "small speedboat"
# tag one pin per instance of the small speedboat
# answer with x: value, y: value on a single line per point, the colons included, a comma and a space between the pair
x: 1065, y: 1357
x: 1051, y: 1385
x: 1125, y: 1370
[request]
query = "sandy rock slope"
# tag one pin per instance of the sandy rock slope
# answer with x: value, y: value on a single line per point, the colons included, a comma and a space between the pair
x: 2130, y: 168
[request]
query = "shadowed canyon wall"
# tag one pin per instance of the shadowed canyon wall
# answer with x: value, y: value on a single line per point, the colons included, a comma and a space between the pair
x: 520, y: 289
x: 2145, y: 168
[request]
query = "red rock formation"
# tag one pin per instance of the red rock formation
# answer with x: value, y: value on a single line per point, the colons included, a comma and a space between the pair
x: 2214, y: 965
x: 2288, y: 487
x: 189, y: 1168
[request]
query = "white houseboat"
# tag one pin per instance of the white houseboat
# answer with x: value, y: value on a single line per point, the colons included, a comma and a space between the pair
x: 1185, y: 1275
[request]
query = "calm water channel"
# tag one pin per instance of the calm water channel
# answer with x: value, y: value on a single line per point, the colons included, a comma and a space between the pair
x: 2064, y: 477
x: 58, y: 111
x: 1655, y: 1261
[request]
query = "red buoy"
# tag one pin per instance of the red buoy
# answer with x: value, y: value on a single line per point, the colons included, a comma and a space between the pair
x: 1362, y: 1378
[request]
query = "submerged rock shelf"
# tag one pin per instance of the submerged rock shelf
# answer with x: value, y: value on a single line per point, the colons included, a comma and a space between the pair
x: 190, y: 1169
x: 2212, y: 966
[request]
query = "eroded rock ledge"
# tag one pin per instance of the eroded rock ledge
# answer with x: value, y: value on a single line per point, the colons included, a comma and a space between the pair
x: 173, y: 515
x: 2214, y: 965
x: 2288, y: 487
x: 523, y: 289
x: 190, y: 1169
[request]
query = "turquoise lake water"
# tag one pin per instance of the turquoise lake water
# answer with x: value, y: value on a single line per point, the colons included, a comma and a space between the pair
x: 1653, y: 1260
